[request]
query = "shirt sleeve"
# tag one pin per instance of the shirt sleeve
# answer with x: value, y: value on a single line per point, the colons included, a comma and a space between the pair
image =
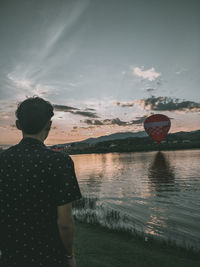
x: 67, y: 188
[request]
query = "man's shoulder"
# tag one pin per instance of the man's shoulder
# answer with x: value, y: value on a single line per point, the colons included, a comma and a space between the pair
x: 60, y: 160
x: 8, y: 151
x: 58, y: 156
x: 46, y: 152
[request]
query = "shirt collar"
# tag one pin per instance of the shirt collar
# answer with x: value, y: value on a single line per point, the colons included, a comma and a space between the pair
x: 31, y: 141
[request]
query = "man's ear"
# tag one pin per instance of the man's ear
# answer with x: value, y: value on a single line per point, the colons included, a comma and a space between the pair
x: 18, y: 125
x: 48, y: 125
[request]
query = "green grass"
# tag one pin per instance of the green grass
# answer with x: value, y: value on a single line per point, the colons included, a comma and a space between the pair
x: 90, y: 210
x: 96, y: 246
x: 103, y: 239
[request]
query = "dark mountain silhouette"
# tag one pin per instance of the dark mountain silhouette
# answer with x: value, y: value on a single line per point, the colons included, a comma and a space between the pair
x: 121, y: 137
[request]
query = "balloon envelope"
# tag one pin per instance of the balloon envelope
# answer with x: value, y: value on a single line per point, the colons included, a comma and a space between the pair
x: 157, y: 126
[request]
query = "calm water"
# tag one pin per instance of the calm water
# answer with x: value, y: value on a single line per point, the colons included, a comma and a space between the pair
x: 158, y: 191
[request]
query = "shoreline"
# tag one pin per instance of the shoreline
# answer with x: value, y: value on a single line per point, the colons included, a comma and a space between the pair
x: 135, y: 151
x: 87, y: 211
x: 86, y: 151
x: 156, y: 150
x: 98, y: 246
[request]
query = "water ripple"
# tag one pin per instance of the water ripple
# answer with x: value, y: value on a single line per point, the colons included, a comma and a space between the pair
x: 159, y: 191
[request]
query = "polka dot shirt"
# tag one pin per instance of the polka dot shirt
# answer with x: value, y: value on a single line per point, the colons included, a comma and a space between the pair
x: 34, y: 180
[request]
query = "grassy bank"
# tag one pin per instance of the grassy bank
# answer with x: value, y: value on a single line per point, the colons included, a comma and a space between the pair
x: 97, y: 246
x: 90, y: 211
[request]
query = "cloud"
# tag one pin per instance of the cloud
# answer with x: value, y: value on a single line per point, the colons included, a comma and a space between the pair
x: 90, y: 109
x: 89, y: 127
x: 125, y: 104
x: 159, y: 82
x: 150, y: 90
x: 94, y: 122
x: 85, y: 113
x: 167, y: 103
x: 4, y: 115
x: 183, y: 70
x: 116, y: 121
x: 56, y: 34
x: 139, y: 120
x: 76, y: 129
x: 27, y: 86
x: 75, y: 111
x: 63, y: 108
x: 20, y: 82
x: 149, y: 74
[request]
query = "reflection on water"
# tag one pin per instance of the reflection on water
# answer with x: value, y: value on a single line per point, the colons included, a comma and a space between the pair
x: 90, y: 169
x: 158, y: 191
x: 161, y: 174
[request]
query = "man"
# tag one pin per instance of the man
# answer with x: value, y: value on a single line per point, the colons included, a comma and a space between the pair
x: 37, y: 187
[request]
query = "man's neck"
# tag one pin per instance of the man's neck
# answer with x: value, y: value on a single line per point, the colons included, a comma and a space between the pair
x: 34, y: 137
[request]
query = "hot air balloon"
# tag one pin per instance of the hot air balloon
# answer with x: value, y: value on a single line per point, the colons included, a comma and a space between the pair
x: 157, y: 126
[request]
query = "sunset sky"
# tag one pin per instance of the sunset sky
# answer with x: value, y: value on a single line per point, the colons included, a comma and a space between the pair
x: 105, y: 65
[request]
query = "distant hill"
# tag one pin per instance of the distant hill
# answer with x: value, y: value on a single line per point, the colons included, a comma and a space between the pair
x: 132, y: 142
x: 188, y: 135
x: 115, y: 136
x: 124, y: 135
x: 129, y: 141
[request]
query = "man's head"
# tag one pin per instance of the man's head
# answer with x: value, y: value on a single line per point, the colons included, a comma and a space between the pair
x: 33, y: 116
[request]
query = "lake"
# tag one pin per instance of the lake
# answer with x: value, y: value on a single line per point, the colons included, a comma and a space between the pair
x: 159, y: 192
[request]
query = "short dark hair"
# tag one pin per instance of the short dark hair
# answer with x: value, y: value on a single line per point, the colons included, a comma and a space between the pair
x: 33, y: 113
